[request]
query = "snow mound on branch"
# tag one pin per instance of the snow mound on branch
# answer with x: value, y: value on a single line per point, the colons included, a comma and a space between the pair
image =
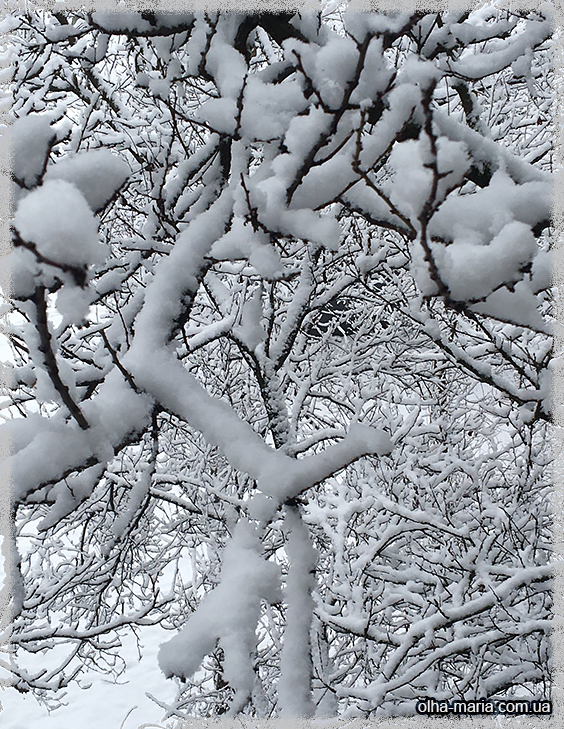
x: 159, y: 87
x: 219, y: 114
x: 74, y: 302
x: 412, y: 180
x: 485, y: 248
x: 283, y: 478
x: 241, y: 241
x: 17, y: 273
x: 483, y: 214
x: 518, y: 307
x: 227, y: 66
x: 335, y: 65
x: 304, y: 132
x: 58, y: 220
x: 251, y: 329
x: 472, y: 271
x: 69, y: 494
x: 366, y: 439
x: 269, y: 108
x: 31, y: 138
x: 98, y: 174
x: 229, y: 613
x: 419, y: 71
x: 117, y: 409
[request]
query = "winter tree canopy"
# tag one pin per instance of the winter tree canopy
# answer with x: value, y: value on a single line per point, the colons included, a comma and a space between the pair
x: 281, y: 328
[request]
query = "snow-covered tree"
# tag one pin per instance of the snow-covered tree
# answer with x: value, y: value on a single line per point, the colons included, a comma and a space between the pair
x: 280, y: 316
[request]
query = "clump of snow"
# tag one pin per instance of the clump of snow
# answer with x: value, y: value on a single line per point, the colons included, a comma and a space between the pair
x: 142, y: 79
x: 73, y: 303
x: 251, y: 329
x: 488, y: 247
x: 98, y: 174
x: 335, y: 65
x: 326, y: 181
x: 18, y: 271
x: 31, y: 138
x: 241, y: 241
x: 117, y: 409
x: 135, y: 500
x: 366, y: 439
x: 377, y: 23
x: 68, y: 494
x: 522, y: 66
x: 304, y: 131
x: 57, y: 219
x: 412, y: 181
x: 542, y: 271
x: 473, y: 271
x: 518, y: 307
x: 235, y: 243
x: 309, y: 225
x: 303, y: 222
x: 229, y: 613
x: 162, y: 45
x: 507, y: 52
x: 268, y: 108
x: 375, y: 76
x: 266, y: 260
x: 483, y: 214
x: 368, y: 262
x: 452, y: 161
x: 227, y: 66
x: 197, y: 44
x: 261, y: 507
x: 28, y: 466
x: 397, y: 261
x: 159, y: 87
x: 419, y: 71
x: 220, y: 114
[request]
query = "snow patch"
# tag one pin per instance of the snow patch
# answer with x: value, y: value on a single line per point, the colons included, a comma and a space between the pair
x: 31, y: 138
x: 98, y: 174
x: 228, y: 614
x: 57, y: 219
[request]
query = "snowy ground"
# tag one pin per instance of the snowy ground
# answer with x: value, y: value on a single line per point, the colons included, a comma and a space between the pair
x: 105, y: 705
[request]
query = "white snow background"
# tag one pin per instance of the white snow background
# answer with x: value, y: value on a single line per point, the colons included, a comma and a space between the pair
x: 105, y: 705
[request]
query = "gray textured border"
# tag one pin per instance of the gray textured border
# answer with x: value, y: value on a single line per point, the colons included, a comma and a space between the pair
x: 4, y: 290
x: 557, y: 718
